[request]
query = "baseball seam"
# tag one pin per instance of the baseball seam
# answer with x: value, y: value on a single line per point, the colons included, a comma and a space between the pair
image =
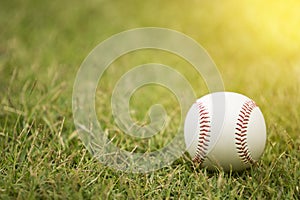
x: 204, y: 134
x: 241, y: 132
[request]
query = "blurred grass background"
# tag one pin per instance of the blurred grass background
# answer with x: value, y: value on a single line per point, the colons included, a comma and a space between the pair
x: 255, y: 44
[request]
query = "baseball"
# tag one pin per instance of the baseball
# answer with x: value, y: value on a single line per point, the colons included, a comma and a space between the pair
x: 225, y: 130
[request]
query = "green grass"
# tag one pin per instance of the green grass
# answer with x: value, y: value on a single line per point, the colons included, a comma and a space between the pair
x: 42, y: 44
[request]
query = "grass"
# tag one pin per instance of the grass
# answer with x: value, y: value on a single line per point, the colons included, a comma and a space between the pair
x: 42, y: 44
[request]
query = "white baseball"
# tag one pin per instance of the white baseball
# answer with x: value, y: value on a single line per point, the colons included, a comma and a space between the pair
x: 226, y: 130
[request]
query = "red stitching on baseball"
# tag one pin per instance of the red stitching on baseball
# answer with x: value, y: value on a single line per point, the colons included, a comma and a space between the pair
x: 241, y: 132
x: 203, y: 138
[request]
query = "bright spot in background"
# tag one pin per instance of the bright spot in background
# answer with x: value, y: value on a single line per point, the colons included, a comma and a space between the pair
x: 249, y: 30
x: 276, y: 21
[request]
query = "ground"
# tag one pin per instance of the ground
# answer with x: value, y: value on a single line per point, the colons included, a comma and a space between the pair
x: 42, y: 45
